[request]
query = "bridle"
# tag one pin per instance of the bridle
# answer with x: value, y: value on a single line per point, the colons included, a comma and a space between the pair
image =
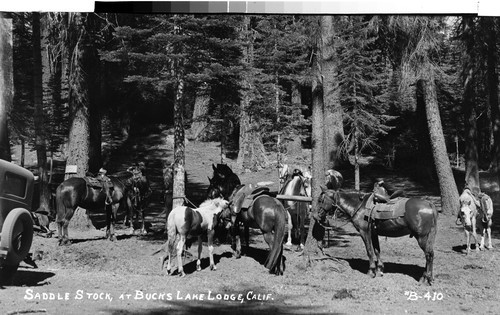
x: 335, y: 203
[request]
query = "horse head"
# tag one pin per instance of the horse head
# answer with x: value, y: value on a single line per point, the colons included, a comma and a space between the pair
x: 327, y: 203
x: 283, y: 173
x: 215, y: 189
x: 109, y: 190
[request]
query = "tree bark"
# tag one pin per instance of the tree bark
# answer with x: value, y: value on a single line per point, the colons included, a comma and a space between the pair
x: 294, y: 143
x: 40, y: 67
x: 78, y: 99
x: 6, y: 82
x: 179, y: 144
x: 449, y: 192
x: 252, y: 154
x: 471, y: 155
x: 316, y: 232
x: 334, y: 131
x: 79, y: 140
x: 199, y: 112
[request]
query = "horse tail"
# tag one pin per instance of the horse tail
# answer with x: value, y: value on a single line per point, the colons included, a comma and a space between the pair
x: 172, y: 233
x: 62, y: 214
x: 273, y: 261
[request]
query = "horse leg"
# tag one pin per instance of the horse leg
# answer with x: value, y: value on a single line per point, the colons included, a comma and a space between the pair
x: 63, y: 226
x: 302, y: 220
x: 376, y: 247
x: 426, y: 243
x: 488, y: 233
x: 131, y: 211
x: 210, y: 237
x: 236, y: 239
x: 200, y: 248
x: 247, y: 238
x: 180, y: 249
x: 367, y: 239
x: 111, y: 216
x: 467, y: 237
x: 289, y: 227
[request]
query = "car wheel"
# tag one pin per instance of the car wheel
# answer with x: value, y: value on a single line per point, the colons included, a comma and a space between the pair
x: 17, y: 235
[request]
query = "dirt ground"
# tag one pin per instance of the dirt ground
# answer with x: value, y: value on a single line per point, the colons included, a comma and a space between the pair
x: 96, y: 276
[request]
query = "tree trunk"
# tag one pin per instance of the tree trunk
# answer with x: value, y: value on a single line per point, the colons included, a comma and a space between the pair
x: 356, y: 160
x: 424, y: 162
x: 471, y: 155
x: 449, y: 192
x: 78, y: 99
x: 79, y: 140
x: 334, y: 131
x: 252, y: 154
x: 179, y: 144
x: 200, y: 111
x: 316, y: 232
x: 492, y: 86
x: 293, y: 142
x: 468, y: 107
x: 39, y: 79
x: 6, y: 82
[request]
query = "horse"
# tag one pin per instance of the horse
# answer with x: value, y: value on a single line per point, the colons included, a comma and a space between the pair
x: 188, y: 223
x: 296, y: 185
x: 223, y: 182
x: 475, y: 213
x: 140, y: 193
x: 76, y: 192
x: 487, y: 219
x: 418, y: 219
x: 263, y: 212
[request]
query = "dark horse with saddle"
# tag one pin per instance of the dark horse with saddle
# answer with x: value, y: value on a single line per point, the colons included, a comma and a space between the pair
x: 252, y: 207
x: 390, y: 215
x: 95, y: 193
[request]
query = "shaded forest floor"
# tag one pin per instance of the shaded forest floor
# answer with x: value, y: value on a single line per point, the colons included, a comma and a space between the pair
x: 131, y: 277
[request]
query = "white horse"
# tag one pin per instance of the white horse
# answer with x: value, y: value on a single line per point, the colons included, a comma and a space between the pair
x: 470, y: 210
x: 286, y: 179
x: 188, y: 223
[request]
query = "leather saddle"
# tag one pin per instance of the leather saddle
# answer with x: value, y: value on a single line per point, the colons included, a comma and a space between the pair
x: 390, y: 209
x: 249, y: 199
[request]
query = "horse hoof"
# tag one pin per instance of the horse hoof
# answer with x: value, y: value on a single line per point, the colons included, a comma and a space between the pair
x: 371, y: 274
x: 198, y: 268
x: 213, y: 268
x: 182, y: 274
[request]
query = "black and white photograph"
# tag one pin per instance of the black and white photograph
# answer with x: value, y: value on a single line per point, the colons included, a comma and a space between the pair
x: 235, y: 157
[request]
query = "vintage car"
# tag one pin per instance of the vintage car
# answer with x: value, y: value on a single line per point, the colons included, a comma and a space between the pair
x: 16, y: 223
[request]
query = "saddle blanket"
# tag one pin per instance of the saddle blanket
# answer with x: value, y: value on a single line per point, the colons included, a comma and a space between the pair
x: 395, y: 208
x: 248, y: 201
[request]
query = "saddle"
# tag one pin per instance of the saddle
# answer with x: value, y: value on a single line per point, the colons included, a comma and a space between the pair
x: 392, y: 209
x: 248, y: 201
x: 96, y: 183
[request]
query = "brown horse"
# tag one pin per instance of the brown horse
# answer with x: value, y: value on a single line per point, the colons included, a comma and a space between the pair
x: 139, y: 194
x: 419, y: 220
x: 75, y: 192
x: 265, y: 213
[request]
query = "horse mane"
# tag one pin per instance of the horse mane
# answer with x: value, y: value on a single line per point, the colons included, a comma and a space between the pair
x: 211, y: 202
